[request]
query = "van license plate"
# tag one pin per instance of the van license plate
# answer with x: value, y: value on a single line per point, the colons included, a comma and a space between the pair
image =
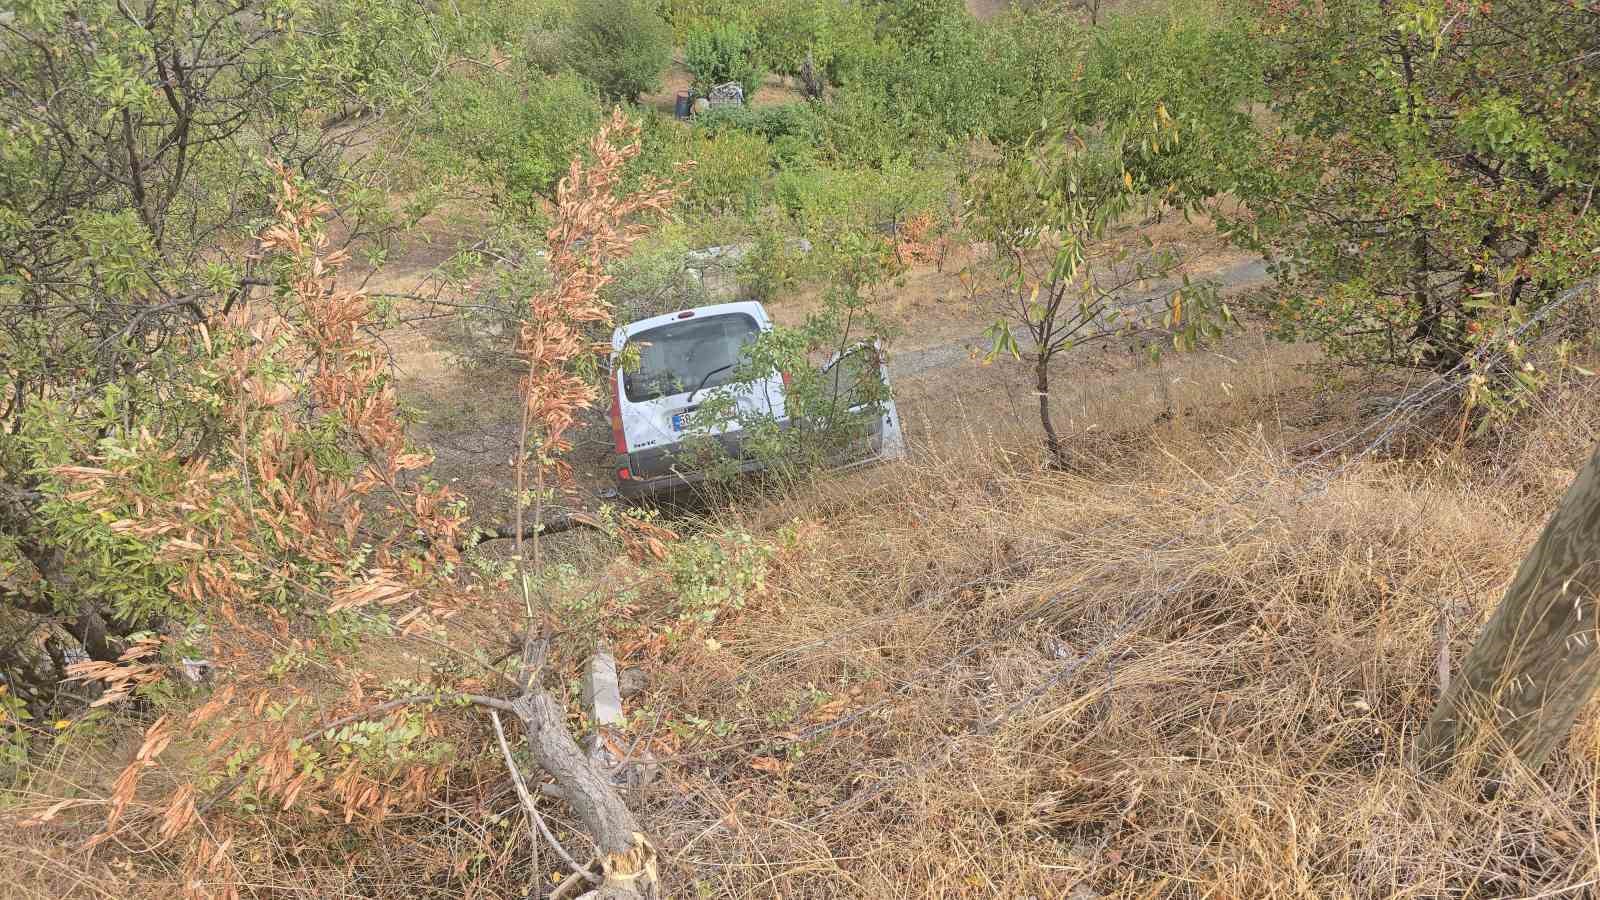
x: 677, y: 421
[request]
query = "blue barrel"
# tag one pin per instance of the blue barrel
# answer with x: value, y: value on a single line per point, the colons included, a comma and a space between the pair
x: 681, y: 108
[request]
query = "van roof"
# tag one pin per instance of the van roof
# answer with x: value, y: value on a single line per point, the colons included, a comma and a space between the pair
x: 750, y: 308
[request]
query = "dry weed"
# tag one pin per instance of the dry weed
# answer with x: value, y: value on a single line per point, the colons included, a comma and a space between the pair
x: 1250, y: 739
x: 937, y: 693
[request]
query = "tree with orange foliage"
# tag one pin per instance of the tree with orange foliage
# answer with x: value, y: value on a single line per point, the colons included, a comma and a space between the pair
x: 305, y: 531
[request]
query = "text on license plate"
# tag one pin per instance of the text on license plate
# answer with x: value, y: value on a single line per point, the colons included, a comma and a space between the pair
x: 677, y: 421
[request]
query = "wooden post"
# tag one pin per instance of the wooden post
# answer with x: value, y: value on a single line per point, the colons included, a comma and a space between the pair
x: 1535, y: 666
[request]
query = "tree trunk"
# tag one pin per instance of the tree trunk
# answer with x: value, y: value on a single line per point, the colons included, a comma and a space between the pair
x: 1535, y: 666
x: 1052, y: 442
x: 627, y: 858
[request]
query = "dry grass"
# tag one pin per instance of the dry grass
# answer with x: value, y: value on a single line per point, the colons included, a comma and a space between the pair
x: 939, y: 693
x: 1251, y: 738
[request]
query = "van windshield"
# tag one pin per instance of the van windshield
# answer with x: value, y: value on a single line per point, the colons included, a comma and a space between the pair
x: 678, y: 357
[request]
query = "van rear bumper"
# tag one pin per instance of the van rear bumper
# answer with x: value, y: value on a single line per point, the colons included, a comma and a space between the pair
x: 659, y: 469
x: 637, y: 488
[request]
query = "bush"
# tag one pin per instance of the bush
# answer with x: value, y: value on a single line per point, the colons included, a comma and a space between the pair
x: 769, y: 267
x: 827, y: 199
x: 688, y: 16
x: 838, y: 34
x: 512, y: 137
x: 918, y: 24
x: 932, y: 86
x: 652, y: 280
x: 730, y: 172
x: 622, y: 47
x: 793, y: 129
x: 866, y: 128
x: 771, y: 122
x: 819, y: 195
x: 1040, y: 51
x: 720, y: 53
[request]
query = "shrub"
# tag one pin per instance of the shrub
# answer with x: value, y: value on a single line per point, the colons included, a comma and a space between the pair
x: 771, y: 122
x: 652, y: 280
x: 816, y: 195
x: 730, y: 172
x: 787, y: 31
x: 769, y: 267
x: 723, y: 52
x: 918, y: 23
x: 716, y: 573
x: 824, y: 200
x: 794, y: 129
x: 936, y: 78
x: 622, y: 47
x: 664, y: 148
x: 865, y: 128
x: 688, y: 16
x: 512, y: 137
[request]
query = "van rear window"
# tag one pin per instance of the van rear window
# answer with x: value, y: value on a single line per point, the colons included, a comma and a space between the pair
x: 681, y: 356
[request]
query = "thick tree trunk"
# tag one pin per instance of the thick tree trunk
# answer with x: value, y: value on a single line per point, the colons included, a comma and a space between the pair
x: 1535, y: 666
x: 627, y: 858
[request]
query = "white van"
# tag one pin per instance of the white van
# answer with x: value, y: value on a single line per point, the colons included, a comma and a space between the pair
x: 683, y: 358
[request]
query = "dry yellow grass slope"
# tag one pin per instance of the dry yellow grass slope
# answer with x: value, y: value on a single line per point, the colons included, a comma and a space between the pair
x: 1192, y: 667
x: 984, y: 723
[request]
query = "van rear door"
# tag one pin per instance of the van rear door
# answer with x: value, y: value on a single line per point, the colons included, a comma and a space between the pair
x: 684, y: 360
x: 857, y: 382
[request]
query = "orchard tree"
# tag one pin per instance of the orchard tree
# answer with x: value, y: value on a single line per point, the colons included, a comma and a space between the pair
x: 718, y: 52
x: 131, y: 200
x: 504, y: 137
x: 812, y: 40
x: 623, y: 46
x: 1048, y: 206
x: 1045, y: 210
x: 1430, y: 172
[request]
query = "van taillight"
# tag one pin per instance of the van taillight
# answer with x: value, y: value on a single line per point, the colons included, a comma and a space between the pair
x: 785, y: 380
x: 619, y: 439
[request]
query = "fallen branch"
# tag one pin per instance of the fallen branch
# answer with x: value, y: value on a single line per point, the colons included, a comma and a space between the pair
x: 627, y: 857
x: 551, y: 525
x: 532, y: 808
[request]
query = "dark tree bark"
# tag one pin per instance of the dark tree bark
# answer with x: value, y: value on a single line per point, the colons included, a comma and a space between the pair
x: 812, y: 80
x: 1535, y: 666
x: 1052, y: 441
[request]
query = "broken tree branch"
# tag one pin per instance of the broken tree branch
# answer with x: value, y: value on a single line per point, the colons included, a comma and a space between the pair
x: 627, y: 857
x: 531, y: 807
x: 552, y: 524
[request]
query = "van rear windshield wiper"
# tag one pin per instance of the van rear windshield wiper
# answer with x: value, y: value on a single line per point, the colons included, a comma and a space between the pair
x: 706, y: 379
